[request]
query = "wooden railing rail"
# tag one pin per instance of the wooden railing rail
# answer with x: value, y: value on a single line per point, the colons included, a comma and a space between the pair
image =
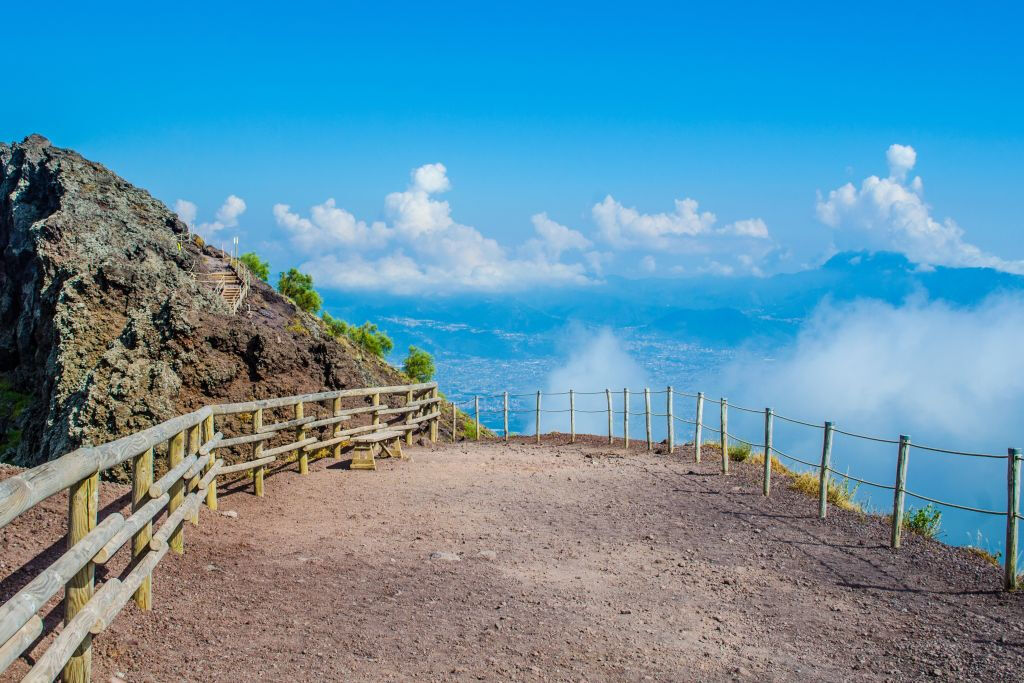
x: 189, y: 444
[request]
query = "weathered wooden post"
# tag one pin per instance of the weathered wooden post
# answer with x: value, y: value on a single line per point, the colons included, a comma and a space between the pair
x: 211, y: 491
x: 670, y: 421
x: 375, y: 402
x: 408, y: 418
x: 476, y: 413
x: 625, y: 417
x: 723, y: 418
x: 300, y: 434
x: 823, y: 474
x: 1012, y: 506
x: 505, y: 413
x: 335, y: 411
x: 769, y: 419
x: 538, y: 416
x: 647, y: 418
x: 192, y: 444
x: 142, y: 479
x: 257, y: 477
x: 176, y: 453
x: 698, y: 428
x: 900, y: 490
x: 608, y: 395
x: 83, y: 506
x: 455, y: 420
x: 572, y: 417
x: 433, y: 423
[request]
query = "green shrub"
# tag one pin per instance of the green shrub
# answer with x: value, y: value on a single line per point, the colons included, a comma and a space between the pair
x: 299, y: 288
x: 260, y: 269
x: 335, y: 327
x: 419, y: 365
x: 739, y: 452
x: 370, y: 338
x: 924, y: 521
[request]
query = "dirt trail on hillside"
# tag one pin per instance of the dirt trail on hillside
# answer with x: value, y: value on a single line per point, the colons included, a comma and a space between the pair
x: 561, y: 562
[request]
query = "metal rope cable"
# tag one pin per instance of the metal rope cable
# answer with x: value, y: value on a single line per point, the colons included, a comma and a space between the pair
x: 954, y: 505
x: 972, y: 455
x: 800, y: 422
x: 683, y: 419
x: 747, y: 410
x: 860, y: 481
x: 787, y: 455
x: 863, y: 436
x: 711, y: 429
x: 736, y: 438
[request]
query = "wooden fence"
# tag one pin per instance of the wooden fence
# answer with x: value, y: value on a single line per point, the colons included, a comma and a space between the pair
x: 189, y: 444
x: 902, y: 447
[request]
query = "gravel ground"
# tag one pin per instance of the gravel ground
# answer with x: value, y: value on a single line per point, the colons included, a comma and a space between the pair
x: 562, y: 562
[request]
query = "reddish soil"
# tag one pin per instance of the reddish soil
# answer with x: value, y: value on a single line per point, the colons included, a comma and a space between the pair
x: 575, y: 562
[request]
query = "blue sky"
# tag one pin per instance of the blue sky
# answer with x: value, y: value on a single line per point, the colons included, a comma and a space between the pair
x: 542, y: 109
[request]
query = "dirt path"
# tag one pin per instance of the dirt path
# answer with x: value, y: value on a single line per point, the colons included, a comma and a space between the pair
x: 573, y: 563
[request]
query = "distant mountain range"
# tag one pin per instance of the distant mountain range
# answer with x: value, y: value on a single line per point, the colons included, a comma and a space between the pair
x: 715, y: 311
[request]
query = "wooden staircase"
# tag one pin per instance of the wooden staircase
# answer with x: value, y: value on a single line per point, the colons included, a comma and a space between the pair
x: 229, y: 284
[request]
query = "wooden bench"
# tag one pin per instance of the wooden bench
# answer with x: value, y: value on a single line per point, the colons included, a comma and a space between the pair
x: 369, y: 445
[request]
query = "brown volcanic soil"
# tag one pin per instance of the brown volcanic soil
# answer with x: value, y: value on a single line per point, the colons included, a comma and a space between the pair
x: 605, y: 566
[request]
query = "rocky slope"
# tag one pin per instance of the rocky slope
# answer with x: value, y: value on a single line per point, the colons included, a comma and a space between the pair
x: 105, y: 327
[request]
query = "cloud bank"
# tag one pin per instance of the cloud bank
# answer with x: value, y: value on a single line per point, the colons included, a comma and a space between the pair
x: 226, y: 216
x: 891, y: 214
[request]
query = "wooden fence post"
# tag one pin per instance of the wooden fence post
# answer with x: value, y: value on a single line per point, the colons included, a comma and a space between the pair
x: 608, y: 395
x: 375, y: 401
x: 211, y: 491
x: 300, y: 434
x: 1012, y: 506
x: 698, y: 428
x: 769, y: 419
x: 572, y: 417
x: 823, y: 474
x: 257, y: 477
x: 433, y: 423
x: 670, y: 421
x: 455, y: 420
x: 723, y: 418
x: 476, y: 413
x: 176, y: 453
x: 647, y: 418
x: 625, y: 417
x: 83, y: 506
x: 408, y: 419
x: 192, y: 448
x: 505, y: 413
x: 142, y: 479
x: 900, y: 490
x: 335, y: 411
x: 538, y: 416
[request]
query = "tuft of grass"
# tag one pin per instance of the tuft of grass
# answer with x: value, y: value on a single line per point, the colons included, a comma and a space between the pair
x: 200, y: 242
x: 739, y: 452
x: 777, y: 466
x: 840, y: 492
x: 469, y: 429
x: 994, y: 560
x: 925, y: 521
x: 296, y: 326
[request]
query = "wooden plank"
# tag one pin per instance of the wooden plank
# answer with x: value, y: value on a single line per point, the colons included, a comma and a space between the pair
x: 173, y: 522
x: 198, y: 466
x: 68, y: 644
x: 210, y: 444
x: 143, y: 517
x: 247, y: 465
x: 247, y: 438
x: 287, y: 448
x: 140, y: 574
x: 24, y: 637
x: 424, y: 418
x: 290, y: 424
x: 17, y: 611
x: 176, y: 473
x: 249, y: 406
x: 377, y: 437
x: 83, y: 506
x: 327, y: 421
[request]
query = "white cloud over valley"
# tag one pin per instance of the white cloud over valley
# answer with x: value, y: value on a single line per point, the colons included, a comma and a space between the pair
x: 891, y: 214
x: 226, y: 216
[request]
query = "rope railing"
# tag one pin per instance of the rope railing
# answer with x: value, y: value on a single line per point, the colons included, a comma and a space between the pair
x: 189, y: 444
x: 625, y: 411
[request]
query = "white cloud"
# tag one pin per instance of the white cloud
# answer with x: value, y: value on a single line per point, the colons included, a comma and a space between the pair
x: 751, y: 227
x: 891, y: 214
x: 226, y: 216
x: 648, y: 264
x: 428, y: 250
x: 623, y: 226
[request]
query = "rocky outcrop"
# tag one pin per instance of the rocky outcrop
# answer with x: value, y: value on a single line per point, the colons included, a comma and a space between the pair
x: 105, y: 327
